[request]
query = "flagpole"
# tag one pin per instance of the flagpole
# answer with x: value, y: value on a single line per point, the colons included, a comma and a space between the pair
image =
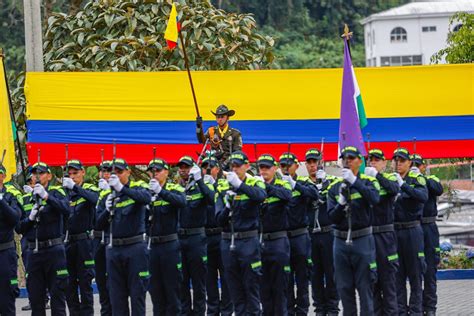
x: 12, y: 113
x: 186, y: 63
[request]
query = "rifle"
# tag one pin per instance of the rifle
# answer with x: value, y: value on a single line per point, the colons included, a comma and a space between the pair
x: 151, y: 217
x: 66, y: 175
x: 1, y: 164
x: 346, y: 191
x: 316, y: 224
x: 38, y: 205
x: 102, y: 240
x: 114, y: 196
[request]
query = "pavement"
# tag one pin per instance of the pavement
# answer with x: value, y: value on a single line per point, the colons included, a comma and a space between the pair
x: 455, y: 298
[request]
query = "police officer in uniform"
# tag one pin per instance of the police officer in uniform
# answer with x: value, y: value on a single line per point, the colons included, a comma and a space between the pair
x: 349, y: 208
x: 431, y: 235
x: 43, y: 228
x: 192, y: 237
x: 275, y: 244
x: 408, y: 211
x: 237, y: 211
x: 224, y: 140
x: 165, y: 257
x: 83, y: 198
x: 323, y: 282
x: 216, y: 304
x: 385, y: 292
x: 10, y: 213
x: 127, y: 256
x: 304, y: 192
x: 101, y: 240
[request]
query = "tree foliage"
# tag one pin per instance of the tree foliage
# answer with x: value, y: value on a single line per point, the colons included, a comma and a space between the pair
x: 128, y: 36
x: 460, y: 42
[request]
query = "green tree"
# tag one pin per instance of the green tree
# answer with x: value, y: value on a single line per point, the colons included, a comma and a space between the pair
x: 460, y: 42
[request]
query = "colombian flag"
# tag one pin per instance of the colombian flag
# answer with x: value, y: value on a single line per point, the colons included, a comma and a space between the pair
x: 172, y: 29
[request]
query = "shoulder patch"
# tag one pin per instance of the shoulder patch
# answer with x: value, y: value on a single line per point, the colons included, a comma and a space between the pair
x: 421, y: 180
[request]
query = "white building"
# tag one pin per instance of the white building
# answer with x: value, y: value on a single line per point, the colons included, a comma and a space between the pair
x: 410, y: 34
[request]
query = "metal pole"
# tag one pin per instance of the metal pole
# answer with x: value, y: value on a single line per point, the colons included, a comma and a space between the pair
x: 33, y: 35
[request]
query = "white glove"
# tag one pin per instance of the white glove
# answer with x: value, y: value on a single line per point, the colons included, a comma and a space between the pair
x: 319, y: 186
x: 109, y: 202
x: 290, y: 180
x: 371, y: 171
x: 103, y: 185
x: 27, y: 189
x: 342, y: 199
x: 115, y: 183
x: 415, y: 170
x: 399, y: 179
x: 33, y: 213
x: 233, y: 179
x: 348, y: 175
x: 260, y: 178
x: 209, y: 179
x: 321, y: 174
x: 196, y: 173
x: 68, y: 183
x: 229, y: 195
x: 40, y: 191
x: 155, y: 186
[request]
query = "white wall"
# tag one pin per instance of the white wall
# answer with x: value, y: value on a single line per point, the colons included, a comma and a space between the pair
x: 418, y: 42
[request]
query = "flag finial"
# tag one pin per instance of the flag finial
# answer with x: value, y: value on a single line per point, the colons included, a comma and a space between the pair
x: 347, y: 35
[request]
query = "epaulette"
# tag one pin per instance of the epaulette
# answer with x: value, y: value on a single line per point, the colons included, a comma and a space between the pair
x: 251, y: 181
x: 91, y: 187
x: 371, y: 179
x: 140, y: 183
x: 174, y: 187
x: 389, y: 176
x: 12, y: 190
x: 419, y: 177
x: 57, y: 188
x: 283, y: 183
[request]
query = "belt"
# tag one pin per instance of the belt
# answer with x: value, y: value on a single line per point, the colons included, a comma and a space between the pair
x: 354, y: 234
x: 191, y: 231
x: 274, y: 235
x: 46, y: 244
x: 163, y: 239
x: 240, y: 235
x: 383, y: 228
x: 428, y: 220
x: 297, y: 232
x: 406, y: 225
x: 81, y: 236
x: 7, y: 245
x: 213, y: 231
x: 322, y: 229
x: 127, y: 241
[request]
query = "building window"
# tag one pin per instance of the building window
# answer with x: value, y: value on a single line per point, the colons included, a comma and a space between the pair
x: 400, y: 60
x: 428, y: 28
x: 457, y: 27
x: 398, y: 34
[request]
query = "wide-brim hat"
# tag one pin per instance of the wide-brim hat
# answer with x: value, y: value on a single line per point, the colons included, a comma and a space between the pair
x: 223, y: 110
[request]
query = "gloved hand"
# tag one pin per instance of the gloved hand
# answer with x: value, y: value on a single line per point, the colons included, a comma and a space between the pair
x: 321, y: 174
x: 115, y: 183
x: 290, y: 180
x: 109, y: 202
x: 229, y: 196
x: 103, y: 185
x: 27, y: 189
x: 260, y: 178
x: 198, y: 122
x: 155, y: 186
x: 415, y: 170
x: 209, y: 179
x: 348, y: 175
x: 196, y: 173
x: 399, y: 179
x: 40, y: 191
x: 371, y: 171
x: 68, y: 183
x: 342, y: 199
x: 319, y: 186
x: 233, y: 179
x: 33, y: 213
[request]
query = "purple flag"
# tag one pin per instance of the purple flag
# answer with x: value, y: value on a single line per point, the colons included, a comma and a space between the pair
x: 352, y: 109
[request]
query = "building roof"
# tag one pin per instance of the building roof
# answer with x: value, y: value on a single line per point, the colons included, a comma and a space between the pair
x: 423, y: 9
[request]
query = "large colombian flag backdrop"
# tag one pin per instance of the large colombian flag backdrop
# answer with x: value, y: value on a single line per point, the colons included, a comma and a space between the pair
x: 139, y: 111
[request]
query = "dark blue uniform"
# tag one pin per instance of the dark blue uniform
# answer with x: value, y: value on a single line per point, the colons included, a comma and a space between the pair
x: 192, y: 239
x: 355, y: 264
x: 385, y: 292
x: 408, y: 210
x: 431, y: 239
x: 304, y: 193
x: 165, y: 256
x: 215, y: 267
x: 79, y: 256
x: 323, y: 281
x: 47, y: 268
x: 99, y: 244
x: 10, y: 213
x: 128, y: 259
x: 275, y: 248
x: 242, y: 265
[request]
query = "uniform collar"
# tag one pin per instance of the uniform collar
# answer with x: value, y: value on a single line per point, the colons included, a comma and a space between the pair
x: 224, y: 131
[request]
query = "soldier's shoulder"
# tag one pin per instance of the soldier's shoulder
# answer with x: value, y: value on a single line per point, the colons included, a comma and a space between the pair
x: 234, y: 131
x: 417, y: 177
x: 91, y: 187
x: 433, y: 178
x: 334, y: 183
x: 57, y: 188
x: 12, y: 190
x: 170, y: 186
x: 390, y: 176
x: 139, y: 184
x: 283, y: 183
